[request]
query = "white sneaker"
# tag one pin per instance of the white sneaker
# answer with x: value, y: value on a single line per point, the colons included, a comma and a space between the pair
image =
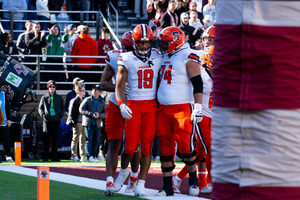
x: 91, y: 159
x: 176, y: 184
x: 194, y: 190
x: 74, y: 158
x: 97, y: 160
x: 157, y: 158
x: 131, y: 184
x: 161, y: 193
x: 207, y: 189
x: 139, y: 190
x: 177, y: 159
x: 123, y: 174
x: 101, y: 157
x: 110, y: 189
x: 83, y: 159
x: 9, y: 159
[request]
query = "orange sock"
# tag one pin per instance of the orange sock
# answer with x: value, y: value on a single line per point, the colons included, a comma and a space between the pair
x: 182, y: 173
x: 202, y: 178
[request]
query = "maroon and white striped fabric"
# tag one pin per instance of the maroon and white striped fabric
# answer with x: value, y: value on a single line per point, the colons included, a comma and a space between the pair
x: 257, y: 54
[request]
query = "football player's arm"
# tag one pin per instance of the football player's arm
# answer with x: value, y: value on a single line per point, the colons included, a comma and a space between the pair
x: 120, y: 83
x: 106, y: 83
x: 194, y: 72
x: 119, y: 92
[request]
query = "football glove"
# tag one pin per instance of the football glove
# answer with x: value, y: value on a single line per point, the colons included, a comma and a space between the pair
x: 197, y: 114
x: 125, y: 111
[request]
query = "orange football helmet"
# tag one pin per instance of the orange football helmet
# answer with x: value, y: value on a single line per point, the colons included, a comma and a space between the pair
x: 172, y: 39
x: 142, y: 38
x: 208, y: 36
x: 127, y: 42
x: 207, y: 56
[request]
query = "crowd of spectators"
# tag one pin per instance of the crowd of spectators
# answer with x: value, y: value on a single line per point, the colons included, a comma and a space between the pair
x: 43, y: 36
x: 191, y: 16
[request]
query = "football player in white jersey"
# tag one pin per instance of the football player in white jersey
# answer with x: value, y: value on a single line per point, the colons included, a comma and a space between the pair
x: 139, y: 69
x: 180, y: 109
x: 203, y: 130
x: 114, y: 122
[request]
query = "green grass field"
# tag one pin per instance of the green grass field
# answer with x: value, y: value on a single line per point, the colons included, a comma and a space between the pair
x: 20, y: 187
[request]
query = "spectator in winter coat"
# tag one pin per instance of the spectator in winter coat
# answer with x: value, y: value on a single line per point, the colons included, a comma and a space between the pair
x: 169, y: 18
x: 77, y: 82
x: 35, y: 41
x: 93, y: 110
x: 7, y: 45
x: 51, y: 109
x: 187, y: 28
x: 84, y: 45
x: 104, y: 45
x: 75, y: 120
x: 21, y: 39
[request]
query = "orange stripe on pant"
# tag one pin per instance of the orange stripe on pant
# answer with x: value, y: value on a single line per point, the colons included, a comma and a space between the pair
x: 141, y: 127
x: 174, y: 125
x: 114, y: 122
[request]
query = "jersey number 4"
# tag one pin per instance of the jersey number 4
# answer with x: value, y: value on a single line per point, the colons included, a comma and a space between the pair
x: 145, y: 78
x: 166, y: 74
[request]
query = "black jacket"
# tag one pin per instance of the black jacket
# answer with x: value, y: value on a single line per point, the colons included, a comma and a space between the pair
x: 33, y: 44
x: 74, y: 111
x: 166, y: 20
x: 44, y: 107
x: 189, y: 29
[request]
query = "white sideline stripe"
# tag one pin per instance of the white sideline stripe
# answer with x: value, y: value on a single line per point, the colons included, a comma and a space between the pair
x: 90, y: 183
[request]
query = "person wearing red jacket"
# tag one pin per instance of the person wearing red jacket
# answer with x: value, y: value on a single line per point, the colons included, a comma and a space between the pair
x: 84, y: 45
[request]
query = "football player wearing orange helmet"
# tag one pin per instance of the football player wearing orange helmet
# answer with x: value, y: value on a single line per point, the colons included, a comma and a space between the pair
x: 180, y: 109
x: 208, y: 36
x: 139, y: 69
x: 114, y: 122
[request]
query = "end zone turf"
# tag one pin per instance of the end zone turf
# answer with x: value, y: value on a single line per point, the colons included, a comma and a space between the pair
x: 87, y: 182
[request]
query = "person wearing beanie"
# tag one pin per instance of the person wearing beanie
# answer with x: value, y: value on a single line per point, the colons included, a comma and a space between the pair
x: 51, y: 109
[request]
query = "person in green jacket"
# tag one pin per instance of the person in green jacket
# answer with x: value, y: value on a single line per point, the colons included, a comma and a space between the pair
x: 55, y: 47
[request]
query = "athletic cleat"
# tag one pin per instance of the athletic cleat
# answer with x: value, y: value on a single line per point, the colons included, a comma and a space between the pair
x: 194, y: 190
x: 123, y: 174
x: 110, y: 189
x: 139, y: 191
x: 176, y: 184
x: 206, y: 189
x: 131, y: 184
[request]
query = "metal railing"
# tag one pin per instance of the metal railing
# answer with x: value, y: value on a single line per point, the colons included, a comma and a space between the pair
x: 99, y: 21
x: 82, y: 20
x: 116, y: 25
x: 111, y: 30
x: 39, y: 62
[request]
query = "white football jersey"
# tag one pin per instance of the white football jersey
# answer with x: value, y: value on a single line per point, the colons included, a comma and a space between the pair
x: 207, y: 93
x: 142, y: 74
x: 112, y: 60
x: 175, y: 84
